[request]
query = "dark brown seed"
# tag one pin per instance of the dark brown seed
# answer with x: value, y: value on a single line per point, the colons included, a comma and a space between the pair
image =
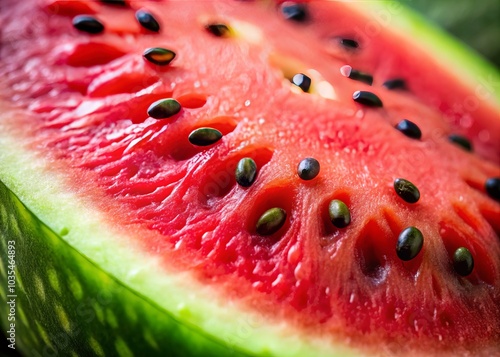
x: 89, y: 24
x: 461, y: 141
x: 246, y: 171
x: 349, y: 72
x: 406, y: 190
x: 463, y: 262
x: 492, y: 186
x: 159, y: 56
x: 302, y: 81
x: 164, y: 108
x: 294, y: 11
x: 308, y: 168
x: 271, y: 221
x: 396, y: 83
x: 409, y: 128
x: 219, y: 30
x: 147, y: 20
x: 348, y: 43
x: 115, y: 2
x: 204, y: 136
x: 367, y: 98
x: 409, y: 243
x: 340, y: 215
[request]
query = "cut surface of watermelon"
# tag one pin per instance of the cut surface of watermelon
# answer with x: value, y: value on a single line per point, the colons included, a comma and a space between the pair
x: 123, y: 148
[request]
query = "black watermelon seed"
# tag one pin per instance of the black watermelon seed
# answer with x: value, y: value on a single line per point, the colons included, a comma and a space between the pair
x: 204, y: 136
x: 115, y: 2
x: 271, y: 221
x: 164, y: 108
x: 294, y: 11
x: 302, y: 81
x: 492, y: 186
x: 409, y: 128
x: 219, y: 30
x: 367, y: 98
x: 147, y: 20
x: 349, y: 72
x: 406, y: 190
x: 340, y: 215
x: 88, y: 24
x: 409, y: 243
x: 348, y: 43
x: 308, y: 168
x: 159, y: 56
x: 461, y: 141
x: 246, y: 171
x: 396, y: 83
x: 463, y: 262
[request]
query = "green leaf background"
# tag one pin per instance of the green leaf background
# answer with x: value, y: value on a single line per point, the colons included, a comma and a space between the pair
x: 475, y: 22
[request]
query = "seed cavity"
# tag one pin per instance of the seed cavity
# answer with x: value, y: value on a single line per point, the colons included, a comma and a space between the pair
x: 246, y: 171
x: 396, y: 83
x: 349, y: 72
x: 302, y: 81
x: 409, y: 128
x: 340, y: 216
x: 204, y: 136
x: 492, y: 187
x: 89, y: 24
x: 147, y: 20
x: 463, y: 262
x: 164, y: 108
x: 406, y: 190
x: 349, y: 43
x: 308, y: 168
x: 367, y: 98
x: 409, y: 243
x: 294, y: 11
x: 461, y: 141
x: 219, y: 30
x: 159, y: 56
x: 271, y: 221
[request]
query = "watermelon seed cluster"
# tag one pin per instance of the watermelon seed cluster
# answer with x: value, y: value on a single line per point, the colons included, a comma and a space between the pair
x: 410, y: 240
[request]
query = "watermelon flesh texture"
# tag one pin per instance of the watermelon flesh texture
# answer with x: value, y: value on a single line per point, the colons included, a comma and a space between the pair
x: 81, y: 106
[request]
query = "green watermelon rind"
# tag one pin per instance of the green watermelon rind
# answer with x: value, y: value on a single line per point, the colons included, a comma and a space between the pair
x: 91, y: 244
x: 145, y: 312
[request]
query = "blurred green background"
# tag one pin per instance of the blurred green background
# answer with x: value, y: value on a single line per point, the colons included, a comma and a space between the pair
x: 475, y: 22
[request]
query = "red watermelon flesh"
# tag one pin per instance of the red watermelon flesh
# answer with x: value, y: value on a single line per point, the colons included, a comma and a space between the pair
x: 82, y: 102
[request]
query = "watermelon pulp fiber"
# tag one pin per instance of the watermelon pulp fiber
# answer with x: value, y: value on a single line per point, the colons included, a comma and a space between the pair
x: 82, y: 107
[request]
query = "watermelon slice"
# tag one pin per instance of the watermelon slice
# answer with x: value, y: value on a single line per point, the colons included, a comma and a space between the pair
x: 245, y: 178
